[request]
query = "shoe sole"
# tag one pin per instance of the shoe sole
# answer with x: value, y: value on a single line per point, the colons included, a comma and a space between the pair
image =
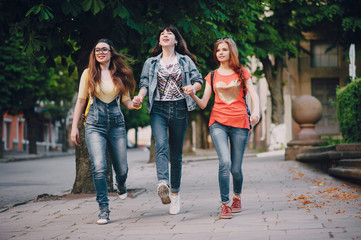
x: 172, y: 212
x: 123, y: 196
x: 236, y: 210
x: 163, y: 193
x: 102, y: 223
x: 223, y: 217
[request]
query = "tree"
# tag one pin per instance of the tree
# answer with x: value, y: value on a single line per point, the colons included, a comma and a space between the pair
x: 279, y: 33
x: 50, y: 28
x: 27, y: 85
x: 60, y: 95
x: 344, y: 19
x: 10, y: 64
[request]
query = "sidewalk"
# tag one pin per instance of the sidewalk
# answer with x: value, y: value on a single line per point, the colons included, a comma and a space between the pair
x: 20, y: 156
x: 281, y: 200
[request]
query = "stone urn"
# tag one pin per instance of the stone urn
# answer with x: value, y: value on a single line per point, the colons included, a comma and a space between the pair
x: 307, y: 111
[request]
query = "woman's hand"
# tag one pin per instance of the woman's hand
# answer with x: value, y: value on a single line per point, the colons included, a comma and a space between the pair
x: 254, y: 118
x: 75, y: 135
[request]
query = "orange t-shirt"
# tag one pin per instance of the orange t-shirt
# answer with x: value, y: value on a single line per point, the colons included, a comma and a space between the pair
x: 229, y: 105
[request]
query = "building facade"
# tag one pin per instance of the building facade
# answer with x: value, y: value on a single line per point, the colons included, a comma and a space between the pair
x: 15, y: 137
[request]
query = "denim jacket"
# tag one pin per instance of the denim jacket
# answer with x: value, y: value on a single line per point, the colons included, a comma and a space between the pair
x: 148, y: 78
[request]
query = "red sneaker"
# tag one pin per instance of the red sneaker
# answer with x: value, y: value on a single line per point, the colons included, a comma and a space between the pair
x: 226, y: 212
x: 236, y: 205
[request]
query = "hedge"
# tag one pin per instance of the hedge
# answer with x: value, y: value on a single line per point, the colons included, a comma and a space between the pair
x: 349, y: 111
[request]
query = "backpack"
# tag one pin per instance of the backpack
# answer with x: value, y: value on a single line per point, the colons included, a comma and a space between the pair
x: 88, y: 103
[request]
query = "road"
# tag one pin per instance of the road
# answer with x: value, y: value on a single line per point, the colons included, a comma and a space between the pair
x: 24, y: 180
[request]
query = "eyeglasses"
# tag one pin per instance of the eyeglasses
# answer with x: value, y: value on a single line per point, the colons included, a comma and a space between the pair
x: 101, y: 51
x: 223, y: 38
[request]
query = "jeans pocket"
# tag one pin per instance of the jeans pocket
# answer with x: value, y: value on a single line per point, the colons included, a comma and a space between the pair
x: 181, y: 113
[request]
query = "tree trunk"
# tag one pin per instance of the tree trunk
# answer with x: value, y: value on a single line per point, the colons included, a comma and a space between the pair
x: 136, y: 138
x: 1, y: 137
x: 64, y: 135
x: 31, y: 120
x: 274, y: 76
x: 188, y: 141
x: 152, y: 150
x: 201, y: 131
x: 83, y: 179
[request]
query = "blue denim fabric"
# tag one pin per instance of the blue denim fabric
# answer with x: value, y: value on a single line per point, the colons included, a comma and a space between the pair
x: 105, y: 127
x: 148, y: 78
x: 169, y: 122
x: 230, y: 159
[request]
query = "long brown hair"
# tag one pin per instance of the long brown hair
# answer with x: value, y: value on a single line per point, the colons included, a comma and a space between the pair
x: 121, y: 72
x: 233, y: 58
x: 181, y: 46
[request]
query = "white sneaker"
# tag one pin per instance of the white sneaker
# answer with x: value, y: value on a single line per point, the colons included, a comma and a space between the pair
x: 122, y: 192
x: 123, y: 196
x: 103, y: 218
x: 163, y: 192
x: 175, y: 204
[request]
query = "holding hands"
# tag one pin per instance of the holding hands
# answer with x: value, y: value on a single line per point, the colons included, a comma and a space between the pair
x: 137, y: 102
x: 190, y: 90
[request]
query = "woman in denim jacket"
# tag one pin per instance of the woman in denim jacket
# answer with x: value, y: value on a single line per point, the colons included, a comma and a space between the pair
x: 170, y: 67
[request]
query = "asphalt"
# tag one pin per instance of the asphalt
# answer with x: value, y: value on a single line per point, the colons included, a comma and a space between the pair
x: 280, y: 199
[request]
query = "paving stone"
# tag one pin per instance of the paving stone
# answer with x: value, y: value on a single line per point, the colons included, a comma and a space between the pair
x: 270, y: 184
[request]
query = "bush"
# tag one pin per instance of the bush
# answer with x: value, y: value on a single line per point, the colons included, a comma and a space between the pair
x: 349, y: 111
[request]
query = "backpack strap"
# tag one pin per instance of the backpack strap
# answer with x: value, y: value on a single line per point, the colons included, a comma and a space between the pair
x: 212, y: 75
x: 248, y: 111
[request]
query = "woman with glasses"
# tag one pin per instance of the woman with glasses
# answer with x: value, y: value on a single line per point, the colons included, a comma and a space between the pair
x: 106, y: 82
x: 170, y: 67
x: 229, y: 120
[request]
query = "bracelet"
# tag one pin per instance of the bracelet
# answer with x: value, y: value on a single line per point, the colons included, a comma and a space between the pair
x: 137, y: 108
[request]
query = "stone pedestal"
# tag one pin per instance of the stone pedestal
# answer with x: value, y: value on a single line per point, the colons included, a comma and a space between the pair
x: 295, y: 147
x: 306, y: 111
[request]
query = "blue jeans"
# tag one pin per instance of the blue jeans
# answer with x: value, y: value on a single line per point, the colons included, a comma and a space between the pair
x: 105, y: 128
x: 230, y: 159
x: 169, y: 116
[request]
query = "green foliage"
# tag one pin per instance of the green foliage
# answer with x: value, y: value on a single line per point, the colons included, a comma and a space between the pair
x: 136, y: 118
x: 26, y: 84
x: 349, y: 111
x: 44, y: 12
x: 61, y: 88
x: 330, y: 141
x: 344, y: 20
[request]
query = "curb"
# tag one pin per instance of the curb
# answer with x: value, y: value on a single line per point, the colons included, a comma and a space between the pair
x: 33, y: 157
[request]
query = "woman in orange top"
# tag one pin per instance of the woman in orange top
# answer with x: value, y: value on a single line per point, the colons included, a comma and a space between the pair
x: 229, y: 119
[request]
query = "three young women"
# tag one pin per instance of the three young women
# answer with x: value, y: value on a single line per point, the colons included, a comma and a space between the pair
x: 229, y: 120
x: 108, y: 82
x: 170, y: 67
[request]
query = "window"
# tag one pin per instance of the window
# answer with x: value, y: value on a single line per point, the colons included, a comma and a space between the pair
x: 7, y: 130
x: 322, y: 55
x: 324, y: 89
